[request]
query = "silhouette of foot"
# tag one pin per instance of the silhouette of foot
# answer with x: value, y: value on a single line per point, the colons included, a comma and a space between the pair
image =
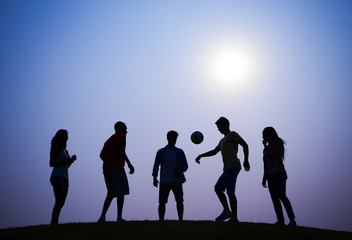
x: 119, y: 219
x: 292, y: 223
x: 223, y: 216
x: 101, y: 219
x: 233, y: 220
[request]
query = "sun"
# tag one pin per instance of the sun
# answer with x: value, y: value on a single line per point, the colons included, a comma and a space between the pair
x: 228, y: 65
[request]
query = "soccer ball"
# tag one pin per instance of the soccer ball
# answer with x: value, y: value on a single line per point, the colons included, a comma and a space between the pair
x: 197, y: 137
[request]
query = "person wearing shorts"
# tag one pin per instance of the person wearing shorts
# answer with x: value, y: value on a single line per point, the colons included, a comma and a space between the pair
x: 227, y: 180
x: 114, y: 157
x: 228, y: 146
x: 173, y: 164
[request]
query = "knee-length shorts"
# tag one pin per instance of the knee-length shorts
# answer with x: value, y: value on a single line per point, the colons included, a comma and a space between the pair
x: 116, y: 181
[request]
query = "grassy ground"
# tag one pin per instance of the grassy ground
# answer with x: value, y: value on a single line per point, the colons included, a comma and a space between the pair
x: 169, y: 230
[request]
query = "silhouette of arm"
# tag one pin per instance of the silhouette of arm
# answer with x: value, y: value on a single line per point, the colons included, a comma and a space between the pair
x: 157, y: 162
x: 53, y: 158
x: 54, y: 151
x: 122, y: 151
x: 71, y: 160
x: 246, y: 154
x: 265, y: 177
x: 208, y: 154
x: 264, y: 181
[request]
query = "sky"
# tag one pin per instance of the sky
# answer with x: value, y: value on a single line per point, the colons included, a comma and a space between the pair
x: 159, y: 66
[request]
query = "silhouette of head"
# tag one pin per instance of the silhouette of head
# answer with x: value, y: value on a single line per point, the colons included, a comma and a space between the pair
x: 120, y: 127
x: 60, y: 138
x: 171, y: 138
x: 223, y: 125
x: 270, y: 134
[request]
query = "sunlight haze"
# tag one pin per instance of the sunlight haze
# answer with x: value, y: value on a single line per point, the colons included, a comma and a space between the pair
x: 176, y: 65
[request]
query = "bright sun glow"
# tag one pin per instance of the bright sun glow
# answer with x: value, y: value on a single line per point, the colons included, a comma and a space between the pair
x: 230, y: 65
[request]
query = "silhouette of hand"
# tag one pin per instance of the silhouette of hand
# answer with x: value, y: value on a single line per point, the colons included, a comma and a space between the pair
x: 155, y: 182
x: 246, y: 166
x: 198, y: 160
x: 73, y: 158
x: 264, y: 182
x: 131, y: 169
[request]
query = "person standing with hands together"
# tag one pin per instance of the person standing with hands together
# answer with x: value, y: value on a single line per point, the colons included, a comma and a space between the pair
x: 232, y: 166
x: 60, y: 160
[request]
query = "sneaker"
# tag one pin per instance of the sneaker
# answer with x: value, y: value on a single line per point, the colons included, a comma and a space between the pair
x: 119, y: 219
x: 223, y: 216
x: 101, y: 219
x: 292, y: 223
x: 231, y: 219
x: 280, y: 223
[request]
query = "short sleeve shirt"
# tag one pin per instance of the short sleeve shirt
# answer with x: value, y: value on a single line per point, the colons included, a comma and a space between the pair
x: 229, y: 149
x: 112, y: 155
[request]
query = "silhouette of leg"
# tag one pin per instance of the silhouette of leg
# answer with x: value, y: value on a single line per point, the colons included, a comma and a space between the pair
x: 288, y: 207
x: 60, y: 192
x: 180, y: 208
x: 164, y: 191
x: 223, y: 200
x: 281, y: 186
x: 233, y: 204
x: 161, y: 210
x: 177, y: 190
x: 273, y: 189
x: 120, y: 200
x: 106, y: 205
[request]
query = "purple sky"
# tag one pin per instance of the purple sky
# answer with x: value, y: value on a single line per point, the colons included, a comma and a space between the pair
x: 83, y: 65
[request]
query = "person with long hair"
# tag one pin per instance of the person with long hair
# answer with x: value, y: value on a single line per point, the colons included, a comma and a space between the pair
x: 275, y: 174
x: 60, y: 160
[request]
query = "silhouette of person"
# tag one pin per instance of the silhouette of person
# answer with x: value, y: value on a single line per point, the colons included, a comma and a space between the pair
x: 173, y: 164
x: 60, y: 160
x: 232, y: 166
x: 275, y: 174
x: 114, y: 157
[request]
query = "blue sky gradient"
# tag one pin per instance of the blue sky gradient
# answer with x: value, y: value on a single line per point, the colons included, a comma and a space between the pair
x: 83, y: 65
